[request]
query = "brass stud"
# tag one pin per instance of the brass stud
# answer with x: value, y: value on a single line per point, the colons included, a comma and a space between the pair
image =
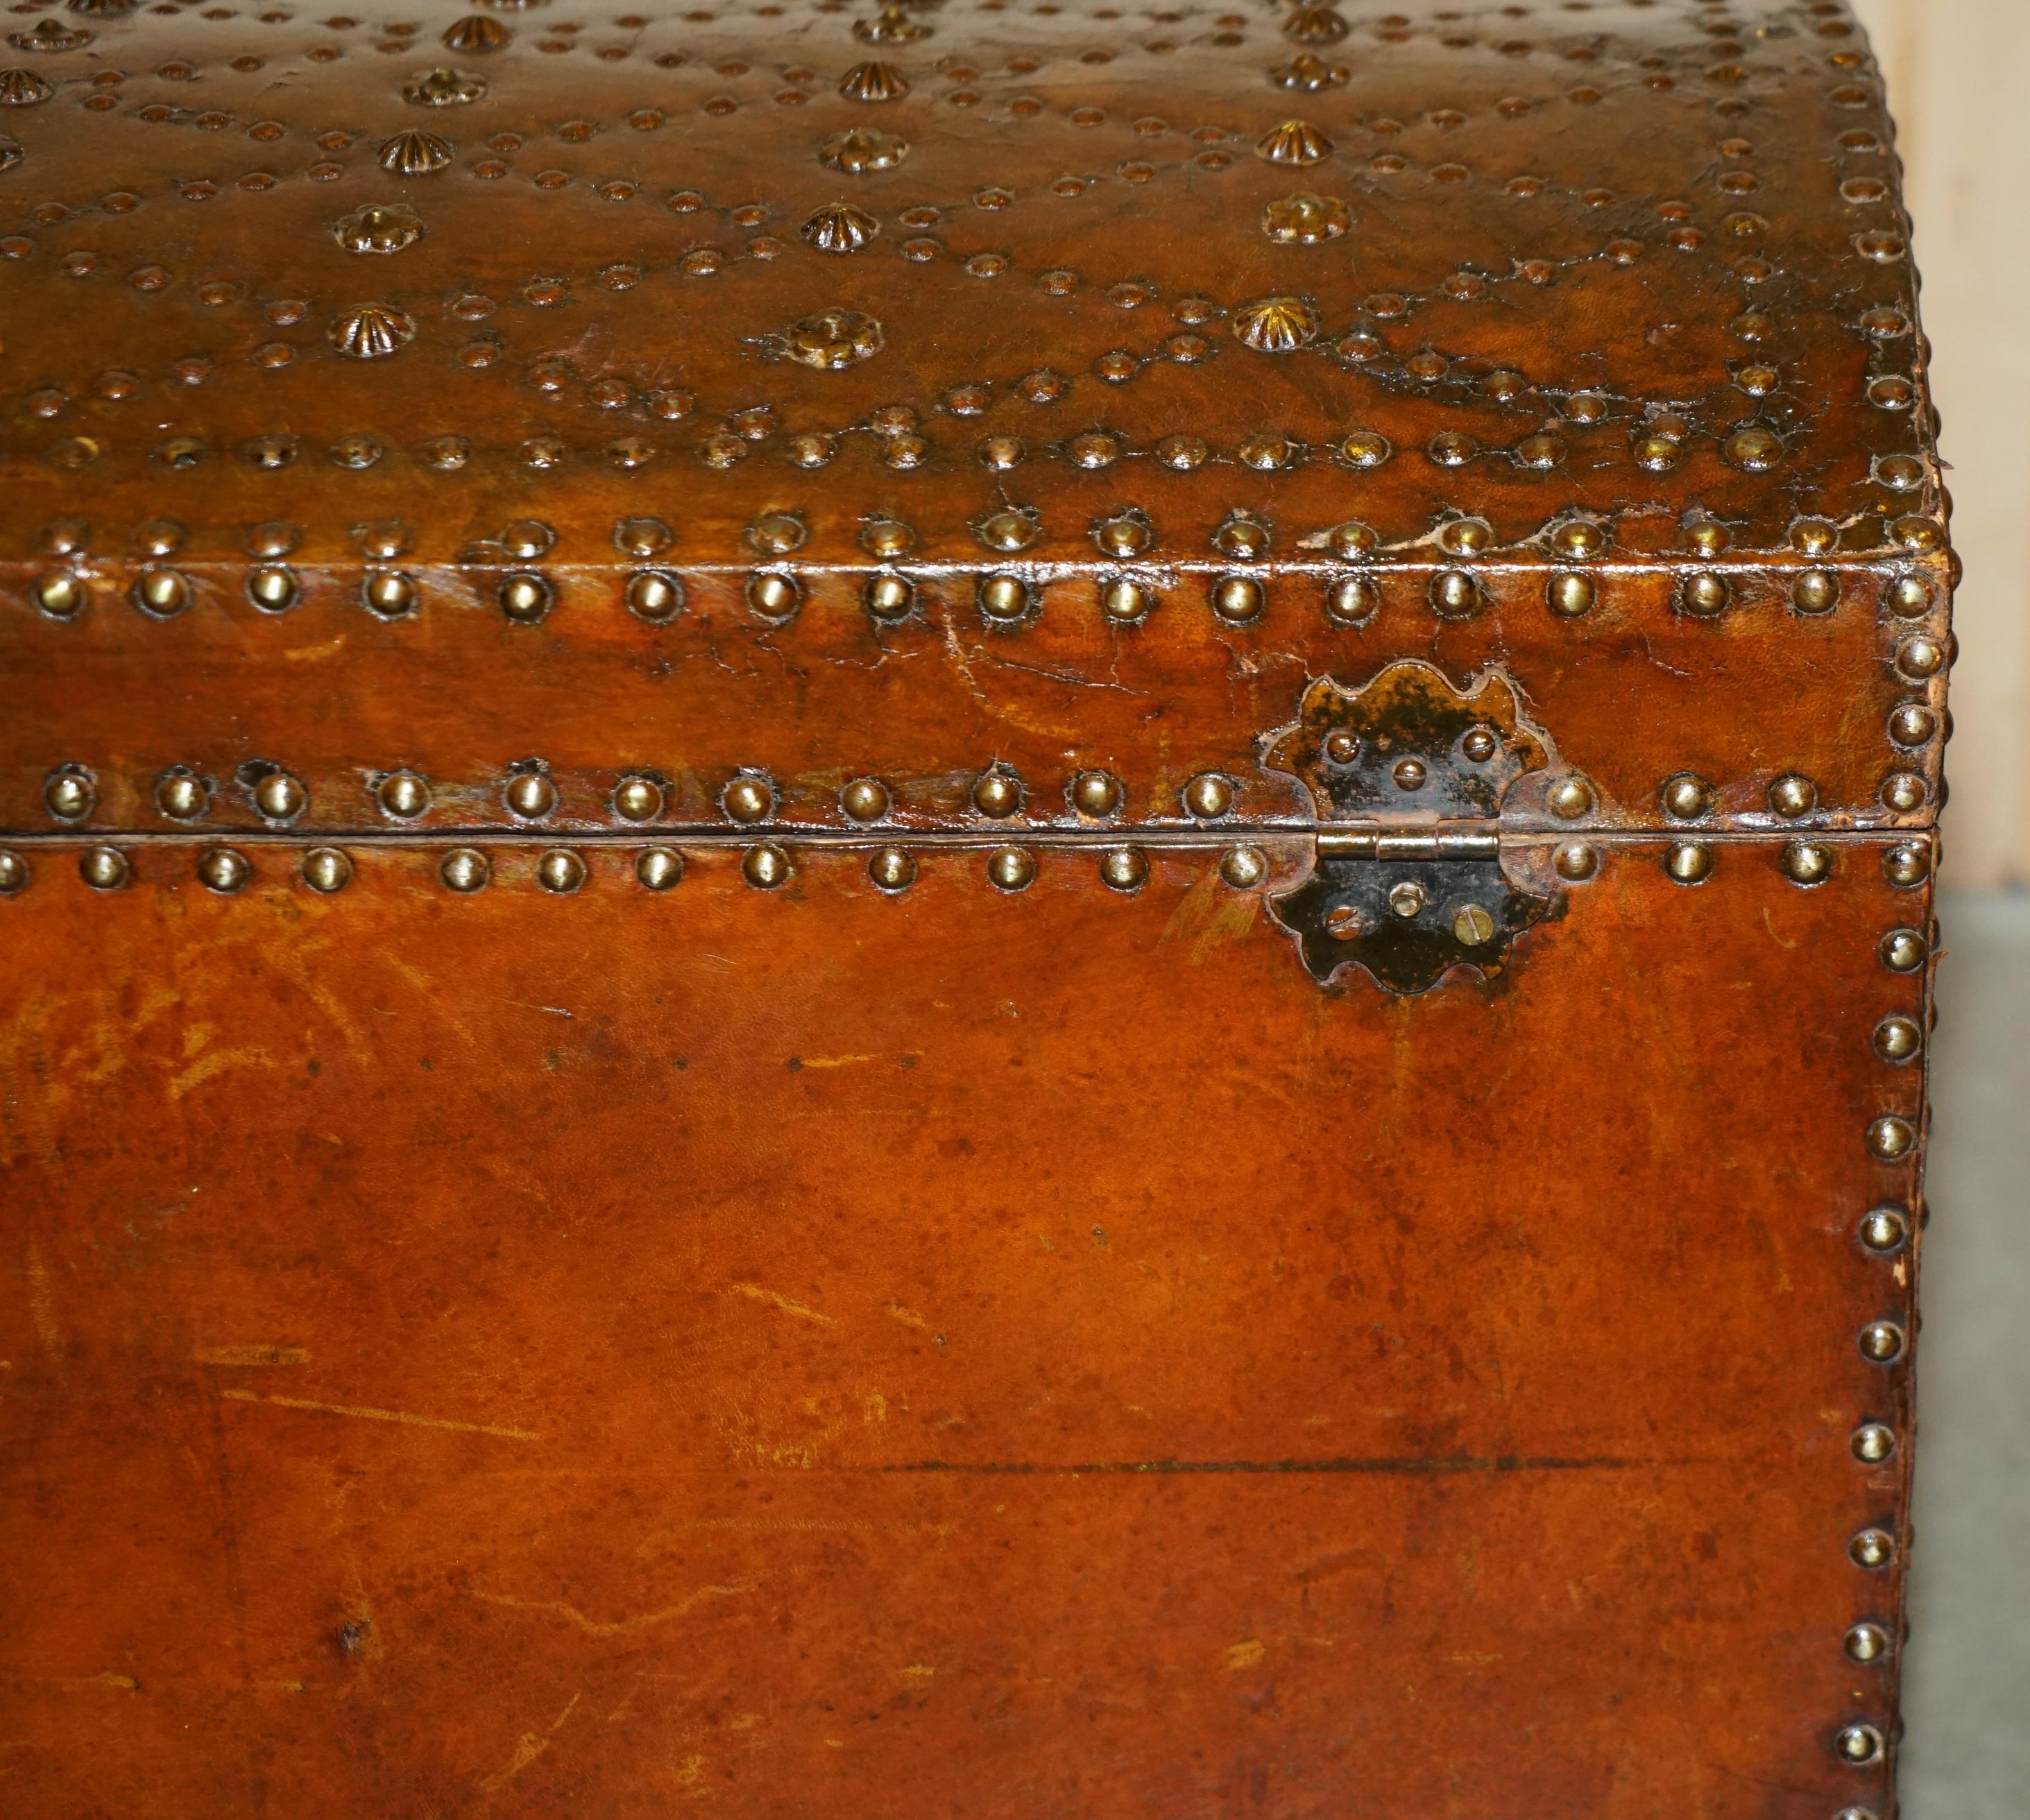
x: 1208, y: 796
x: 1898, y: 1039
x: 530, y: 795
x: 466, y: 870
x: 1919, y: 658
x: 1125, y: 603
x: 1884, y: 1229
x: 1807, y: 862
x: 1889, y: 1139
x: 748, y: 799
x: 865, y: 799
x: 1011, y: 868
x: 526, y: 598
x: 1408, y: 774
x: 1352, y: 601
x: 1244, y: 868
x: 1579, y: 538
x: 1473, y: 926
x: 1005, y: 601
x: 1904, y: 792
x: 1911, y: 724
x: 14, y: 873
x: 280, y: 797
x: 1815, y: 591
x: 637, y: 799
x: 1569, y: 595
x: 70, y: 793
x: 997, y: 793
x: 273, y: 588
x: 61, y: 596
x: 1872, y: 1442
x: 1353, y: 540
x: 388, y: 594
x: 1576, y: 861
x: 1569, y: 798
x: 643, y: 538
x: 658, y: 868
x: 326, y: 870
x: 403, y: 796
x: 1454, y: 594
x: 1095, y: 794
x: 1008, y: 532
x: 892, y: 870
x: 223, y: 870
x: 1708, y: 536
x: 1125, y: 869
x: 1865, y: 1643
x: 1904, y: 950
x: 1238, y: 599
x: 1814, y: 537
x: 104, y: 868
x: 1704, y: 595
x: 1858, y: 1745
x: 774, y: 597
x: 1122, y: 537
x: 1689, y: 862
x: 1881, y: 1342
x: 1873, y: 1549
x: 162, y: 593
x: 889, y: 598
x: 1792, y: 796
x: 1406, y: 898
x: 654, y: 596
x: 1906, y: 866
x: 887, y: 538
x: 1687, y: 797
x: 1908, y: 596
x: 559, y: 871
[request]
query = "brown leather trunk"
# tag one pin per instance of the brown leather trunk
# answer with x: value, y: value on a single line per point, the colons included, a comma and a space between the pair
x: 960, y: 911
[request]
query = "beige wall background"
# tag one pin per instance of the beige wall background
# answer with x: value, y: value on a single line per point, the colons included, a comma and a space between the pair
x: 1955, y: 75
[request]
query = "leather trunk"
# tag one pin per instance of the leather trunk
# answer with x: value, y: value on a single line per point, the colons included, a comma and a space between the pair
x: 993, y: 911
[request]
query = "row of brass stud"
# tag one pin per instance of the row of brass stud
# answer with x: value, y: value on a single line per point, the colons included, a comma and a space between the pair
x: 1006, y: 600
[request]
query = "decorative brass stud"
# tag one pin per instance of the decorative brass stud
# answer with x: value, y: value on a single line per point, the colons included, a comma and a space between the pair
x: 1906, y: 866
x: 892, y: 870
x: 1873, y: 1549
x: 997, y: 793
x: 1705, y: 595
x: 658, y: 868
x: 1454, y: 594
x: 1123, y: 602
x: 840, y: 228
x: 1919, y: 658
x: 641, y: 538
x: 326, y: 870
x: 1889, y: 1139
x: 14, y: 874
x: 1569, y: 594
x: 412, y: 153
x: 1122, y: 537
x: 1277, y: 324
x: 637, y: 799
x: 61, y: 595
x: 223, y: 870
x: 1095, y: 794
x: 378, y: 228
x: 530, y: 795
x: 1689, y: 862
x: 653, y: 595
x: 1007, y: 532
x: 873, y: 81
x: 278, y: 796
x: 1686, y: 798
x: 1884, y: 1229
x: 1898, y: 1038
x: 1352, y: 601
x: 559, y: 871
x: 1005, y: 601
x: 1011, y: 868
x: 403, y: 795
x: 1208, y: 796
x: 272, y: 588
x: 1294, y: 141
x: 1904, y: 792
x: 774, y: 597
x: 1904, y: 950
x: 748, y: 799
x: 1807, y: 862
x: 1858, y: 1745
x: 1911, y: 724
x: 1865, y: 1643
x: 1872, y: 1442
x: 1791, y: 796
x: 372, y: 332
x: 1244, y: 868
x: 1124, y: 869
x: 1908, y: 596
x: 889, y: 598
x: 104, y: 868
x: 466, y: 870
x: 476, y: 33
x: 862, y: 149
x: 1569, y: 798
x: 1576, y: 861
x: 526, y: 598
x: 70, y: 793
x: 1881, y: 1342
x: 1815, y: 591
x: 388, y: 594
x: 865, y: 800
x: 1238, y: 599
x: 162, y: 593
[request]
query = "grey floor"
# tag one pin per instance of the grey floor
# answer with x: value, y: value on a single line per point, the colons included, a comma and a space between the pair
x: 1966, y: 1751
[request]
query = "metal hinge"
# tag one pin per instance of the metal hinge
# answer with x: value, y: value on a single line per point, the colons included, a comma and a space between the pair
x: 1407, y: 899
